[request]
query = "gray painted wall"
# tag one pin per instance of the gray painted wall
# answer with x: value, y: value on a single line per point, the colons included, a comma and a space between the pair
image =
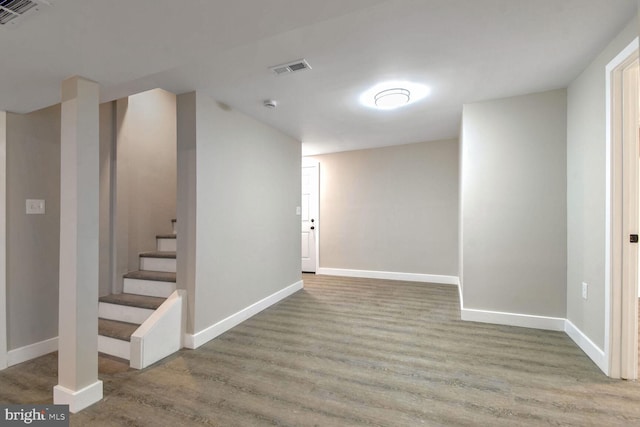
x: 146, y: 175
x: 514, y: 204
x: 586, y: 162
x: 186, y: 202
x: 33, y: 241
x: 391, y: 209
x: 247, y: 180
x: 107, y: 141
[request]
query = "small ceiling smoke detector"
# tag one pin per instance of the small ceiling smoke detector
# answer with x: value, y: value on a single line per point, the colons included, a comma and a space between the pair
x: 14, y: 11
x: 270, y: 103
x: 291, y: 67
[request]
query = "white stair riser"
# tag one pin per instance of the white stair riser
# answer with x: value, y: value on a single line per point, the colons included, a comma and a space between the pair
x: 114, y: 347
x: 123, y: 313
x: 151, y: 288
x: 166, y: 245
x: 158, y: 264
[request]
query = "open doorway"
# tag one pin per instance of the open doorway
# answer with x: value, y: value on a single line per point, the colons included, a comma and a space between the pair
x: 621, y: 328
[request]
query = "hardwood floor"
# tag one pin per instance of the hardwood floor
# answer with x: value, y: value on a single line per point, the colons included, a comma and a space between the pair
x: 355, y: 352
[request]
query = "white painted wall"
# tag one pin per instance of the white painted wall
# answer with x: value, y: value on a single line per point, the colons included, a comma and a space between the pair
x: 33, y: 241
x: 247, y: 188
x: 513, y: 216
x: 586, y: 163
x: 391, y: 209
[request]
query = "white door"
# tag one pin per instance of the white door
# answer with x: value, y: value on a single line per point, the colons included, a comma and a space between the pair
x: 621, y: 303
x: 310, y: 212
x: 629, y: 359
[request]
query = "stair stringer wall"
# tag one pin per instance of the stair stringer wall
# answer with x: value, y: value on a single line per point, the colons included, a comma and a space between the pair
x: 161, y: 334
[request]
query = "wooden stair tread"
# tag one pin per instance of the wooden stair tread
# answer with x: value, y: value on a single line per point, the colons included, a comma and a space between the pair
x: 115, y: 329
x: 165, y: 236
x: 159, y: 254
x: 132, y: 300
x: 158, y: 276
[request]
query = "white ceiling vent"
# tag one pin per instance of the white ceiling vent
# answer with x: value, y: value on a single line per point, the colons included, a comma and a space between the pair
x: 13, y: 11
x: 291, y: 67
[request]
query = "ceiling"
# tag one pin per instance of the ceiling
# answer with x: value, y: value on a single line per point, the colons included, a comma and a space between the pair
x: 465, y: 50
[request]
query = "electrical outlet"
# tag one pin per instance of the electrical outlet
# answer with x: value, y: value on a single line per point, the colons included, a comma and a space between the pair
x: 585, y: 290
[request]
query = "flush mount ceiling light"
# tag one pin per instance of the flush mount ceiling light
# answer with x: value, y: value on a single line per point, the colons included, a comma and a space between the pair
x: 392, y: 98
x: 394, y: 94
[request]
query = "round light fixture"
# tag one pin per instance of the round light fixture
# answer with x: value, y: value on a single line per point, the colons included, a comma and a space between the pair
x: 394, y: 94
x: 392, y: 98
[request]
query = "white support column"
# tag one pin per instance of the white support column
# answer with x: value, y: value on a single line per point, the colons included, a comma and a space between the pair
x: 78, y: 384
x: 3, y: 240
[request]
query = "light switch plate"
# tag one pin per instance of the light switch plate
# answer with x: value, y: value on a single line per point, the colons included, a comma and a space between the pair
x: 298, y: 210
x: 35, y: 206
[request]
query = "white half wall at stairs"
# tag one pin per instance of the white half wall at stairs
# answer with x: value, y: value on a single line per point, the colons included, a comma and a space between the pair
x: 161, y: 334
x: 194, y: 341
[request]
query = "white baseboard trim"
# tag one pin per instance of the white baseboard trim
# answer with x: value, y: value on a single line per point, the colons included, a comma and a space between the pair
x: 588, y: 346
x: 390, y: 275
x: 194, y: 341
x: 80, y: 399
x: 32, y: 351
x: 513, y: 319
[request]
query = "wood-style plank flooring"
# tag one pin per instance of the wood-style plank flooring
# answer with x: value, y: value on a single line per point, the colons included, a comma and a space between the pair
x: 355, y: 352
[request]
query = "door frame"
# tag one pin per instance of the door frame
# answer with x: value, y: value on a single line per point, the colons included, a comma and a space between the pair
x: 307, y: 161
x: 621, y: 219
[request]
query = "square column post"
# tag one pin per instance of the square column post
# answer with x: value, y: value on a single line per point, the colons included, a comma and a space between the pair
x: 78, y: 384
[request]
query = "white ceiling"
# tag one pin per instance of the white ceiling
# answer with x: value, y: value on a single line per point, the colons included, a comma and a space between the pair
x: 465, y: 50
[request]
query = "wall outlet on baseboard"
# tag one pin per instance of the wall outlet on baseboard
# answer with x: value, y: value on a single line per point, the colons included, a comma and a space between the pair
x: 585, y: 290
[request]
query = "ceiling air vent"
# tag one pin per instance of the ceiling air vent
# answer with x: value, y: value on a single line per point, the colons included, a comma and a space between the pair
x: 291, y: 67
x: 12, y: 11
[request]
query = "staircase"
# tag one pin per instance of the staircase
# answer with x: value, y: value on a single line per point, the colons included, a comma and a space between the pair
x: 145, y: 323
